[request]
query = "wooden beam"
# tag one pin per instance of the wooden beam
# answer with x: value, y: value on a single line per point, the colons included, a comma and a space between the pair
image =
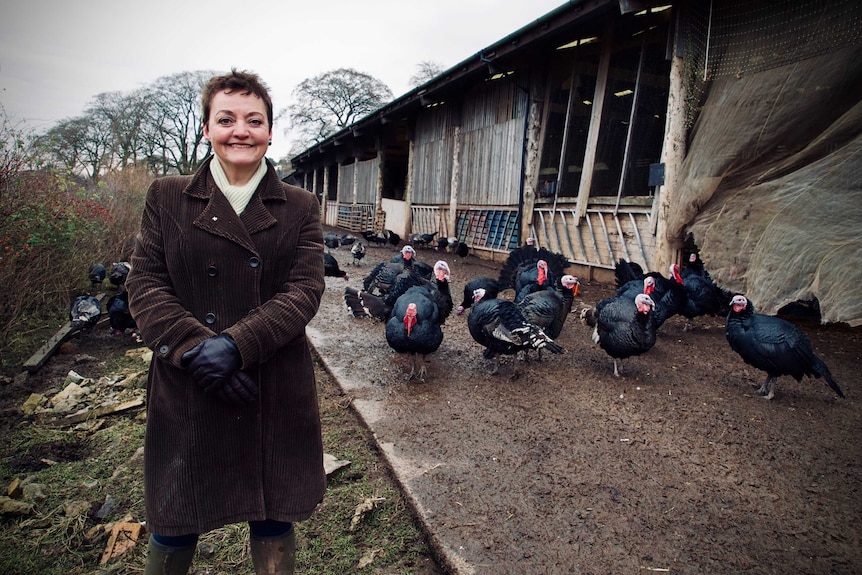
x: 38, y: 359
x: 595, y: 118
x: 100, y: 411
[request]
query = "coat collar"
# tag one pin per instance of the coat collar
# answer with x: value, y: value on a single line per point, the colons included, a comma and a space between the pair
x: 219, y: 218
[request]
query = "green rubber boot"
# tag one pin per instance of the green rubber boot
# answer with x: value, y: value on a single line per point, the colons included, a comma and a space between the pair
x: 274, y: 555
x: 167, y: 560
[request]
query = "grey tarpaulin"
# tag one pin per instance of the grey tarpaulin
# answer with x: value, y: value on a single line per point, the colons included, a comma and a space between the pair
x: 771, y: 187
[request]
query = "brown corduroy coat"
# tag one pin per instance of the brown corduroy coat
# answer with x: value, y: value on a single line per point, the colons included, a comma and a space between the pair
x: 199, y: 270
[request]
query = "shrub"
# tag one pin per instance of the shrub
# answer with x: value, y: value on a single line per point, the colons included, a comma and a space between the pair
x: 53, y: 227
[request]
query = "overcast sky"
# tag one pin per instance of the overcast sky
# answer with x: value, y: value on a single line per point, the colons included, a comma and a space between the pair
x: 56, y: 56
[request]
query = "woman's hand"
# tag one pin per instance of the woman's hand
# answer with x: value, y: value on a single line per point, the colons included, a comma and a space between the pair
x: 213, y: 361
x: 241, y: 389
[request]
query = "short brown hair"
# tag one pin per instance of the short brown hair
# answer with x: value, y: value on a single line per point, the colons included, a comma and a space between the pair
x: 246, y: 82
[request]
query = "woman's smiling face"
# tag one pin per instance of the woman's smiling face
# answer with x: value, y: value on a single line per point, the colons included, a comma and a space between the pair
x: 239, y: 131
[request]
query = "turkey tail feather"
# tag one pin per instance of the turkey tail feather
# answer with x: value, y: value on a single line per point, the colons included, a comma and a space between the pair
x: 820, y: 370
x: 625, y: 271
x: 354, y: 302
x: 540, y: 340
x: 363, y: 304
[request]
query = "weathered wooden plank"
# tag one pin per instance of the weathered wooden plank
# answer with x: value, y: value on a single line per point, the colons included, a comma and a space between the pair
x: 100, y: 411
x: 38, y: 359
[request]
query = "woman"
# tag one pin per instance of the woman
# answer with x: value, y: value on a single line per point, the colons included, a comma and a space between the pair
x: 227, y: 272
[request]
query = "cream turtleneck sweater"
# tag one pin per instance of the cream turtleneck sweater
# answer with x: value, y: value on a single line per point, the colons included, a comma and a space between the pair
x: 238, y: 196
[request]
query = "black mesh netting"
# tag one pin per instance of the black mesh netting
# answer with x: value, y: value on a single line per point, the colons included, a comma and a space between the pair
x: 770, y: 187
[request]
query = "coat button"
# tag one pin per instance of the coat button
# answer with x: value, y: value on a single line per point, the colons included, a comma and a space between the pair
x: 212, y: 271
x: 164, y: 349
x: 254, y: 261
x: 210, y: 318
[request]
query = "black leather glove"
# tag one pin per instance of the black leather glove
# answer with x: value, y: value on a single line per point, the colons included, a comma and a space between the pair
x: 240, y: 389
x: 213, y: 361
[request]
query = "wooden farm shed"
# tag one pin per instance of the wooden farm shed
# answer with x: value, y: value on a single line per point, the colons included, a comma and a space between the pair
x: 612, y: 129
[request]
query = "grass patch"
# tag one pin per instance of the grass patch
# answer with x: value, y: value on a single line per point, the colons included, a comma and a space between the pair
x: 83, y: 472
x: 33, y: 329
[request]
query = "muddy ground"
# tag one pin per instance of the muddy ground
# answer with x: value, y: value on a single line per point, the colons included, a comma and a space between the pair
x: 678, y: 466
x: 558, y: 467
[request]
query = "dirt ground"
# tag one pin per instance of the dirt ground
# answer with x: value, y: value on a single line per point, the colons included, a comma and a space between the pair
x: 557, y: 466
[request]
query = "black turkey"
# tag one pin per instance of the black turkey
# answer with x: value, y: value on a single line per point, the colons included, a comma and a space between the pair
x: 357, y: 251
x: 382, y: 238
x: 119, y: 273
x: 422, y: 239
x: 549, y: 309
x: 773, y: 345
x: 331, y: 241
x: 331, y: 269
x: 668, y: 293
x: 623, y: 326
x: 453, y: 245
x: 414, y: 325
x: 500, y: 327
x: 702, y: 295
x: 382, y: 276
x: 528, y: 269
x: 489, y: 284
x: 347, y: 239
x: 423, y: 269
x: 363, y: 304
x: 119, y: 315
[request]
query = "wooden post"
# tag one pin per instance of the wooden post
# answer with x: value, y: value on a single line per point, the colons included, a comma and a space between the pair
x: 314, y: 190
x: 630, y: 131
x: 531, y: 166
x: 595, y: 118
x: 408, y: 192
x: 452, y: 221
x: 378, y: 198
x: 673, y: 154
x: 355, y: 181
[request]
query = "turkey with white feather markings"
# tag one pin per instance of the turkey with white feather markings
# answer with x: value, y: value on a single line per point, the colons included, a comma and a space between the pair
x: 382, y: 276
x: 363, y: 304
x: 499, y: 326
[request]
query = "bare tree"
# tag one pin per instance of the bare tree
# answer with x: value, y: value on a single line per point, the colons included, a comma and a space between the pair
x: 425, y: 70
x: 124, y: 116
x: 160, y: 124
x: 334, y: 100
x: 64, y: 142
x: 106, y: 137
x: 82, y: 145
x: 174, y: 135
